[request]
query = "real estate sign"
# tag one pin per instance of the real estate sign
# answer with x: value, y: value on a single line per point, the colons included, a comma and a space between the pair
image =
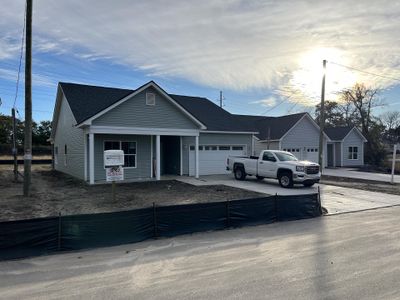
x: 115, y: 173
x: 113, y: 158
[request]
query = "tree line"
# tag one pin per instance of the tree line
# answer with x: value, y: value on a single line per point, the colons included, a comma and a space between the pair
x: 40, y: 133
x: 356, y: 107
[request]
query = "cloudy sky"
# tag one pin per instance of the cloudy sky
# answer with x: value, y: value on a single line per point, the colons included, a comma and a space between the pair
x: 266, y: 56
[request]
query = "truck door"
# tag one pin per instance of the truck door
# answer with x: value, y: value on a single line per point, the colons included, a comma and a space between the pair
x: 267, y: 165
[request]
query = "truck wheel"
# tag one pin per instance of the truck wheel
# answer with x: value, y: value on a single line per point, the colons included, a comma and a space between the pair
x: 240, y: 174
x: 259, y: 177
x: 285, y: 180
x: 309, y: 184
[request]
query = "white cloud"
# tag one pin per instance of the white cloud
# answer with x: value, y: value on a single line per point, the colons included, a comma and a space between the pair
x: 223, y: 44
x: 270, y: 101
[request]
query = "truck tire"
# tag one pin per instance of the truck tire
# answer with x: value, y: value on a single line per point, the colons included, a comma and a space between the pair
x: 240, y: 174
x: 259, y: 178
x: 285, y: 179
x: 308, y: 184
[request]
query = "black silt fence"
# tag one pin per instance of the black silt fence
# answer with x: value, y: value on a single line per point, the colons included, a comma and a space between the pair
x: 24, y: 238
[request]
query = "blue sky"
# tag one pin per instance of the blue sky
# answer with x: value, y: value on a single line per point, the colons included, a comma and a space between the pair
x: 265, y: 56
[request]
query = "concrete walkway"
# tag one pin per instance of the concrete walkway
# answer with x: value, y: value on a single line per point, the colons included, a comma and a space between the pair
x: 335, y: 199
x: 352, y: 173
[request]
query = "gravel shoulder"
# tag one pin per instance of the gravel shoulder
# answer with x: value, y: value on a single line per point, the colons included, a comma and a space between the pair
x: 54, y: 192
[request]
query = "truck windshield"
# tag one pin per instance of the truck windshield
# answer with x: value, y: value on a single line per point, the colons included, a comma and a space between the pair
x: 282, y: 156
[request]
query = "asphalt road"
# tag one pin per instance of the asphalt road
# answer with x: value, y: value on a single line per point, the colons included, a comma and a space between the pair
x: 344, y: 256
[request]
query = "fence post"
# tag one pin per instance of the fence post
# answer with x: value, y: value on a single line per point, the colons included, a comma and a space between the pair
x: 155, y: 220
x: 319, y: 201
x: 59, y: 232
x: 276, y: 207
x: 227, y: 213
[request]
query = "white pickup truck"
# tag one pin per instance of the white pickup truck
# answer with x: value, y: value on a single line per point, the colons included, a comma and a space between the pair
x: 280, y: 165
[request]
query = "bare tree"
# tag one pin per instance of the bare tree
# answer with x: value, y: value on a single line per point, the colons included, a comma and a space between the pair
x: 391, y: 119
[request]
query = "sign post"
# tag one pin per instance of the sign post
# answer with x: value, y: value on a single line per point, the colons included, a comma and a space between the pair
x: 394, y: 161
x: 113, y: 162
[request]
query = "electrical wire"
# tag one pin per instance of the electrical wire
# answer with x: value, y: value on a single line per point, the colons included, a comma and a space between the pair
x: 20, y: 58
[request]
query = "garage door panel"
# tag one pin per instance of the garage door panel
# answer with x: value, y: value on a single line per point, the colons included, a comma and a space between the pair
x: 212, y: 162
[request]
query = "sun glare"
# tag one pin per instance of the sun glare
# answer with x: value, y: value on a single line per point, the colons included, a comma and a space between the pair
x: 307, y: 79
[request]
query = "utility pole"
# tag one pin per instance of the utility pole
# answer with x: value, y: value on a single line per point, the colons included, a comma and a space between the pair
x: 28, y: 101
x: 322, y: 120
x: 14, y: 149
x: 220, y: 98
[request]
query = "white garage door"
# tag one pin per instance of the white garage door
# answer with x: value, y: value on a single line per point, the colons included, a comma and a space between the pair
x: 295, y: 151
x: 311, y: 154
x: 212, y: 158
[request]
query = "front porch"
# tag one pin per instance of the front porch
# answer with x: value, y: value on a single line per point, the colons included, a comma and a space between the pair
x: 149, y: 153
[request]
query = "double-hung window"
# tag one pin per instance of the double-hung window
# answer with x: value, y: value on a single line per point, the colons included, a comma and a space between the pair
x: 129, y: 149
x: 353, y: 153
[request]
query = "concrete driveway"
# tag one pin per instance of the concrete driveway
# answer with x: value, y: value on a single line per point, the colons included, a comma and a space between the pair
x: 335, y: 199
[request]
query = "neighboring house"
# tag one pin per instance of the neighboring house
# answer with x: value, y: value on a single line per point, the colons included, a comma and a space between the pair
x: 163, y: 133
x: 296, y: 133
x: 346, y: 147
x: 160, y: 133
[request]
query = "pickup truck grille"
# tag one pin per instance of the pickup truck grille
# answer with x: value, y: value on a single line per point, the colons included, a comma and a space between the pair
x: 312, y: 170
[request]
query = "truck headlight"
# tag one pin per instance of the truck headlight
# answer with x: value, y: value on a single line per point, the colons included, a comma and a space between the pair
x: 300, y: 168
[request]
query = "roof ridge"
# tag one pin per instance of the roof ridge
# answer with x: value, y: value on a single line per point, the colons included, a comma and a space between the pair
x: 95, y: 86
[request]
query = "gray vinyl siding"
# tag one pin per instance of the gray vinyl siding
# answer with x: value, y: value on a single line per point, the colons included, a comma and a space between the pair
x: 259, y: 146
x: 213, y: 139
x: 135, y: 113
x: 303, y: 135
x: 68, y: 134
x: 352, y: 140
x: 143, y: 156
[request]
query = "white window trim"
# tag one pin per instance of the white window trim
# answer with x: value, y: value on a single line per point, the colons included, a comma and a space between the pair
x: 352, y: 153
x: 148, y: 94
x: 120, y: 146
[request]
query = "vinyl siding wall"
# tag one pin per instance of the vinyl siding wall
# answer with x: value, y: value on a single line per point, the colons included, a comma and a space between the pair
x: 135, y: 113
x: 143, y: 156
x: 338, y: 153
x: 259, y: 146
x: 68, y: 134
x: 303, y: 135
x: 214, y: 139
x: 353, y: 140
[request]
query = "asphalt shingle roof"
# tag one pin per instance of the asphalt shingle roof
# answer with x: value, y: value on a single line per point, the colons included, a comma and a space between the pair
x: 277, y: 126
x: 338, y: 133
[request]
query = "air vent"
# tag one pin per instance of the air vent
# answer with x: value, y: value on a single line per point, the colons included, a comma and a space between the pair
x: 150, y: 99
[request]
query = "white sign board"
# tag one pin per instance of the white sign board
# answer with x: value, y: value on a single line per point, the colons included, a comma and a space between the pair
x: 113, y: 158
x: 115, y: 173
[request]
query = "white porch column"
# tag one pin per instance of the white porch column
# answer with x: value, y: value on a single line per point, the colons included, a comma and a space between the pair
x: 181, y: 156
x: 91, y: 158
x: 158, y: 157
x: 85, y: 156
x: 196, y: 147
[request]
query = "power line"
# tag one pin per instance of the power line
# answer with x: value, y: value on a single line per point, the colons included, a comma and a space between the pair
x: 20, y: 57
x: 366, y: 72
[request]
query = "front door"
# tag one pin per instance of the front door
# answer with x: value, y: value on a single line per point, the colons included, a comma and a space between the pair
x: 267, y: 166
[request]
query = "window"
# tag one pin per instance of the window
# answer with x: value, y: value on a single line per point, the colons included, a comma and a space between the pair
x: 56, y: 155
x: 268, y: 156
x: 353, y: 153
x: 224, y: 148
x: 237, y: 148
x: 129, y: 149
x: 65, y: 155
x: 192, y: 148
x: 150, y: 99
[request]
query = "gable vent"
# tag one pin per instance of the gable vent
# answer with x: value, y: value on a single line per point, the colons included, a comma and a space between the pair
x: 150, y: 99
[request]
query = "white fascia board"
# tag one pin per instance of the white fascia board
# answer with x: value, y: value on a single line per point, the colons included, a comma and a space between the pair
x: 266, y: 141
x: 227, y: 132
x: 142, y: 131
x: 150, y: 84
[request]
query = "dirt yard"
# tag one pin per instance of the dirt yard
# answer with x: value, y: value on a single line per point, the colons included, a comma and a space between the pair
x: 373, y: 186
x: 54, y: 192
